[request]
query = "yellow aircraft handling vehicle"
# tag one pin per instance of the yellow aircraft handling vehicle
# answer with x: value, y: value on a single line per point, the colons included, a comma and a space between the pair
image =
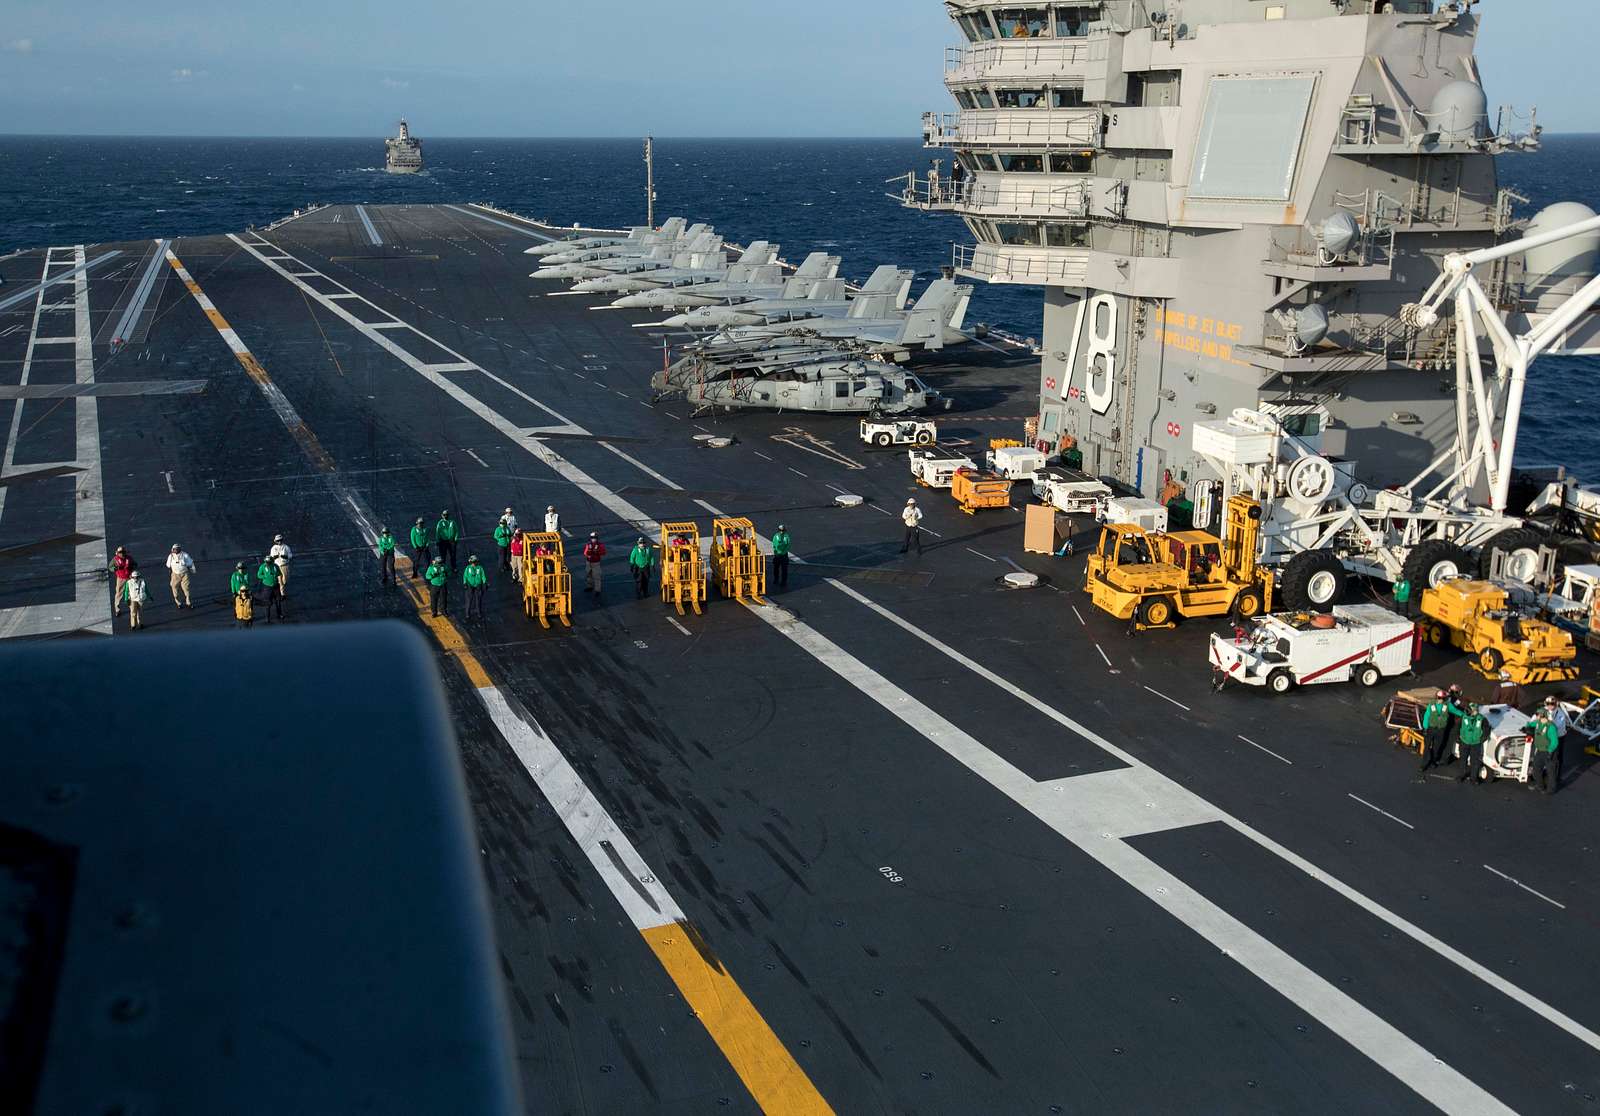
x: 1151, y: 577
x: 737, y: 561
x: 1478, y: 618
x: 683, y: 569
x: 546, y: 582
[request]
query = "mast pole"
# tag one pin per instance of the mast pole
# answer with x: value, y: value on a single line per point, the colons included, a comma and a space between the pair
x: 650, y: 181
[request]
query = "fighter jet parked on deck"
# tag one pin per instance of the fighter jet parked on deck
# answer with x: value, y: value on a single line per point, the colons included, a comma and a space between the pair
x: 707, y: 267
x: 885, y: 292
x: 658, y: 257
x: 760, y: 283
x: 932, y: 323
x: 671, y: 229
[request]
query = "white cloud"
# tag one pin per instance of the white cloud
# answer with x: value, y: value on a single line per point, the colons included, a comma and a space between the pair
x: 20, y: 46
x: 391, y: 83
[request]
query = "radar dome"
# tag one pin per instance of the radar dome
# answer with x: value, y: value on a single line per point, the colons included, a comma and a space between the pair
x: 1460, y: 112
x: 1556, y: 271
x: 1310, y: 325
x: 1339, y: 233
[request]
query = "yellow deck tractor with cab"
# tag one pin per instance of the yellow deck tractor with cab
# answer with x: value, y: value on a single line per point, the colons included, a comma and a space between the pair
x: 1477, y: 617
x: 546, y: 581
x: 1153, y: 577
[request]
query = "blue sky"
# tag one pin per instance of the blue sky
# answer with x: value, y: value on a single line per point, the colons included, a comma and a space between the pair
x: 578, y: 67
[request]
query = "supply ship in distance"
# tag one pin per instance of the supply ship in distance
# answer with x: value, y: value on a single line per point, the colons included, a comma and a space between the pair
x: 404, y: 152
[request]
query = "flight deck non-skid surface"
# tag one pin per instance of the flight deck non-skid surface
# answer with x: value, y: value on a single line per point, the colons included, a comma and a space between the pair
x: 939, y: 847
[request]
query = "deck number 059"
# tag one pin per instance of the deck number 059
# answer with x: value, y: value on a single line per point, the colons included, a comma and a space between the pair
x: 891, y: 875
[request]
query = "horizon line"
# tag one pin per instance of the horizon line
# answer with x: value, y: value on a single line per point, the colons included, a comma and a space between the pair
x: 435, y: 136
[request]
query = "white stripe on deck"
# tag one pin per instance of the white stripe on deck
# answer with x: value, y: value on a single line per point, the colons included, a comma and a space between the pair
x: 366, y: 223
x: 90, y: 607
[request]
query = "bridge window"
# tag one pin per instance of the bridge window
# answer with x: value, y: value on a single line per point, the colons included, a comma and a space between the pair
x: 1017, y: 234
x: 1066, y: 98
x: 1058, y: 235
x: 1022, y: 164
x: 985, y: 161
x: 981, y: 99
x: 977, y: 28
x: 1073, y: 22
x: 1020, y: 98
x: 1072, y: 162
x: 1023, y: 23
x: 964, y: 99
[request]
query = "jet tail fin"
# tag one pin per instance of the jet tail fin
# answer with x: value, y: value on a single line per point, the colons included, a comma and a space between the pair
x: 818, y: 265
x: 767, y: 275
x: 923, y: 327
x: 673, y: 227
x: 828, y: 290
x: 871, y: 306
x: 759, y: 252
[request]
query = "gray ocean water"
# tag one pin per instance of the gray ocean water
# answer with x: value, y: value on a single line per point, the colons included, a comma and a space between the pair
x: 802, y: 194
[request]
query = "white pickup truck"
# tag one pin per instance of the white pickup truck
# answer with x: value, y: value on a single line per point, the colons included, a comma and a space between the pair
x: 1364, y: 642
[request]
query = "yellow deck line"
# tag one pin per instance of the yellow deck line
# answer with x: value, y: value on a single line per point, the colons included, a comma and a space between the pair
x: 775, y: 1080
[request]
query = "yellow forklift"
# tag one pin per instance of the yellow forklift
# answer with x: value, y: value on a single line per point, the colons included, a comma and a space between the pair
x: 1153, y: 577
x: 546, y: 582
x: 736, y: 560
x: 683, y: 568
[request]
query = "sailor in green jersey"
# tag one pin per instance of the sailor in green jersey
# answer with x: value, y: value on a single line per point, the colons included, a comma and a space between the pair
x: 1435, y: 727
x: 1546, y: 744
x: 1474, y: 731
x: 385, y: 557
x: 447, y: 533
x: 781, y: 542
x: 502, y: 538
x: 421, y: 552
x: 474, y: 577
x: 640, y: 559
x: 438, y: 577
x: 267, y: 574
x: 239, y: 580
x: 1402, y: 596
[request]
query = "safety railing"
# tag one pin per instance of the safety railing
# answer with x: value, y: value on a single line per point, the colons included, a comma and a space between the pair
x: 1022, y: 57
x: 1039, y: 127
x: 1025, y: 264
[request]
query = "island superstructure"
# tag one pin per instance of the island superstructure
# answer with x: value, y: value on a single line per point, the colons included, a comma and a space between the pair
x: 404, y: 152
x: 1227, y: 202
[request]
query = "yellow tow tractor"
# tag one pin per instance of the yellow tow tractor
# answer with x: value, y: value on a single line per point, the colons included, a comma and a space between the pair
x: 546, y: 582
x: 736, y: 560
x: 974, y: 489
x: 1153, y: 577
x: 683, y: 570
x: 1477, y: 617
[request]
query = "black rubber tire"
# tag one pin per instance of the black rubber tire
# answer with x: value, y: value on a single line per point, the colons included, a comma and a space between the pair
x: 924, y: 438
x: 1427, y: 560
x: 882, y: 441
x: 1157, y: 612
x: 1518, y: 538
x: 1296, y: 583
x: 1247, y: 604
x: 1280, y: 681
x: 1369, y: 675
x: 1490, y: 661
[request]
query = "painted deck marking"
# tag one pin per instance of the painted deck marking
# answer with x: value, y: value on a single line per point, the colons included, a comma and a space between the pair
x: 1079, y: 615
x: 676, y: 623
x: 981, y: 554
x: 1384, y: 812
x: 366, y: 223
x: 1267, y: 750
x: 1526, y: 888
x: 141, y: 293
x: 1164, y: 697
x: 90, y: 608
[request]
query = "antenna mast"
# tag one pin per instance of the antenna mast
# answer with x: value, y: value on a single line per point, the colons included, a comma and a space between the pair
x: 650, y: 181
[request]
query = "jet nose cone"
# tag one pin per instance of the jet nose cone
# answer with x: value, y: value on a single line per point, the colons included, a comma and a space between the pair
x: 677, y: 321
